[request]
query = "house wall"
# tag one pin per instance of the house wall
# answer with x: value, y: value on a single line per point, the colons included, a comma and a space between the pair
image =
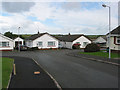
x: 29, y: 43
x: 64, y: 44
x: 81, y: 40
x: 68, y: 45
x: 3, y: 39
x: 45, y: 39
x: 112, y: 45
x: 100, y: 41
x: 18, y: 39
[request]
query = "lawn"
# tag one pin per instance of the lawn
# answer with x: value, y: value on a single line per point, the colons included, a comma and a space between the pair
x: 102, y: 54
x: 7, y: 66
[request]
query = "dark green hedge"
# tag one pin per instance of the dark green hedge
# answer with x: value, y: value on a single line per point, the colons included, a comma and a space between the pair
x: 92, y: 48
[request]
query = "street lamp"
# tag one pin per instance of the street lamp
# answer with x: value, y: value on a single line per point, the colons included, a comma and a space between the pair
x: 109, y: 29
x: 18, y: 39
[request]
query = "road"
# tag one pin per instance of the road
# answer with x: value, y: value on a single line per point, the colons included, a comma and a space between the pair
x: 73, y: 72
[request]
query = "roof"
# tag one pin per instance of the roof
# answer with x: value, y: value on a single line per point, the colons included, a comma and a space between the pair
x: 116, y: 30
x: 69, y: 38
x: 5, y: 37
x: 104, y: 37
x: 35, y: 36
x: 17, y: 37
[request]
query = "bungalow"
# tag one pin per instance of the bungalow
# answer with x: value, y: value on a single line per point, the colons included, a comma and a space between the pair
x: 67, y: 41
x: 101, y: 41
x: 17, y: 41
x: 42, y: 41
x: 114, y: 39
x: 6, y: 44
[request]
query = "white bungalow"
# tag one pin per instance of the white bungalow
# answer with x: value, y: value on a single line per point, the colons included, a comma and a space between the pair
x: 114, y: 39
x: 6, y: 44
x: 17, y: 41
x: 42, y: 41
x: 67, y: 41
x: 101, y: 41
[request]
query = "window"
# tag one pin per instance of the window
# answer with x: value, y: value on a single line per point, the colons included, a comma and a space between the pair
x: 51, y: 43
x: 4, y: 44
x: 78, y: 42
x: 118, y: 40
x: 39, y: 44
x: 85, y: 43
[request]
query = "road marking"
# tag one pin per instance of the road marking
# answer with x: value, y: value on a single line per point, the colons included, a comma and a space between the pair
x: 58, y: 86
x: 14, y: 68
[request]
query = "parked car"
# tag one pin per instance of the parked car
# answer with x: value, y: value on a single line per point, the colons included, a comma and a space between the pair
x: 22, y: 47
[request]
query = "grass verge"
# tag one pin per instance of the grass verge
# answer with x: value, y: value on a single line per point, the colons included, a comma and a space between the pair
x: 7, y: 66
x: 102, y: 54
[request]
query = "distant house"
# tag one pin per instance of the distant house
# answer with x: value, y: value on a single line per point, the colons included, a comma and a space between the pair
x: 6, y: 44
x: 114, y: 39
x: 17, y: 41
x: 67, y: 41
x: 42, y: 41
x: 101, y: 41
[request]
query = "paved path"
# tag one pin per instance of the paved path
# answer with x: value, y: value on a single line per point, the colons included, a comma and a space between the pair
x: 73, y: 72
x: 25, y: 77
x: 95, y: 58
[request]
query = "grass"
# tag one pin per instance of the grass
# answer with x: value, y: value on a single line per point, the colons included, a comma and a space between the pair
x: 102, y: 54
x: 7, y: 66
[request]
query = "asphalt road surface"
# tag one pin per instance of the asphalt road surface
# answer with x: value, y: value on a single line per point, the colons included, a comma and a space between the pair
x: 25, y: 77
x: 73, y: 72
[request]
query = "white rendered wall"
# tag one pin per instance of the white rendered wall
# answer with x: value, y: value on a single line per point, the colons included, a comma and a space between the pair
x: 112, y: 45
x: 3, y: 39
x: 45, y: 39
x: 81, y: 40
x: 18, y: 39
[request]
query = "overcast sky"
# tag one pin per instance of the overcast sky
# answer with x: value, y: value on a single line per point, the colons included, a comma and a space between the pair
x: 57, y: 17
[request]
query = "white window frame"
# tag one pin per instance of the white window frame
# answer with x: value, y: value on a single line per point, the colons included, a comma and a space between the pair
x: 117, y: 38
x: 39, y: 44
x: 85, y: 43
x: 7, y: 44
x: 51, y: 45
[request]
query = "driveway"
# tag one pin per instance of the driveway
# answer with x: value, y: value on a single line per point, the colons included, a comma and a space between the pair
x: 25, y: 77
x: 73, y: 72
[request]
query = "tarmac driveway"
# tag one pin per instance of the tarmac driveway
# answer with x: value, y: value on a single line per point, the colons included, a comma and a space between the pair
x: 73, y: 72
x: 25, y: 77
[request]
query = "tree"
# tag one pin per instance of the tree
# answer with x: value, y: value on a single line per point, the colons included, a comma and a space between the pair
x: 12, y: 36
x: 9, y: 34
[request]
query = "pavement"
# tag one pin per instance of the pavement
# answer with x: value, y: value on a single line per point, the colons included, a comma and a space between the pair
x: 73, y: 72
x: 25, y: 77
x: 95, y: 58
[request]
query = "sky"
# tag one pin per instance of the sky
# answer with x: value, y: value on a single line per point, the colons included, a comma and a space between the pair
x: 88, y: 18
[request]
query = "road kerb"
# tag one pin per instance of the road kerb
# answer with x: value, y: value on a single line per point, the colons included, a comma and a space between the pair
x: 93, y: 59
x: 58, y: 86
x: 10, y: 78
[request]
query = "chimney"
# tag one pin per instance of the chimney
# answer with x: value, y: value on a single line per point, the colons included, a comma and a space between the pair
x: 38, y: 32
x: 69, y: 34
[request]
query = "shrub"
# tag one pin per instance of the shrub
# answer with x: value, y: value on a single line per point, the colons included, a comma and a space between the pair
x: 92, y: 48
x: 76, y: 46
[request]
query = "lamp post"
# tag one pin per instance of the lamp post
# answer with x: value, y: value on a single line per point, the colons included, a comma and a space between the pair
x: 109, y: 29
x: 18, y: 39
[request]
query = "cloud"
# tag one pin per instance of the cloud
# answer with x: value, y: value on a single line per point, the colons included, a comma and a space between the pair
x: 17, y: 7
x: 42, y: 11
x: 12, y: 23
x: 85, y: 21
x: 71, y: 6
x: 119, y: 13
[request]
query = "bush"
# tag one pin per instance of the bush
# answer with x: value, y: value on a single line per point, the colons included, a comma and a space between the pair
x: 92, y: 48
x: 76, y: 46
